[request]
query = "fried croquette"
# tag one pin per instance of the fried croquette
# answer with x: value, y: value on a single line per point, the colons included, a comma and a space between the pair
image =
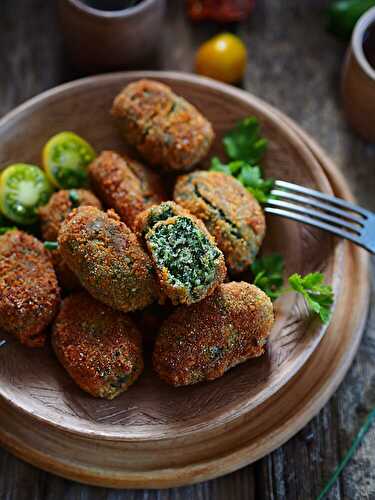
x: 125, y: 185
x: 187, y: 262
x: 231, y: 214
x: 108, y: 259
x: 203, y: 341
x: 100, y: 348
x: 52, y: 216
x: 29, y: 293
x: 165, y: 129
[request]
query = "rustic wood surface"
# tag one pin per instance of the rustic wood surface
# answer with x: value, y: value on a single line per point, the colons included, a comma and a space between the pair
x: 294, y: 65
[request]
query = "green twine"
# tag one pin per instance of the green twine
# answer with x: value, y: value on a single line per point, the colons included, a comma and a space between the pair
x: 357, y: 440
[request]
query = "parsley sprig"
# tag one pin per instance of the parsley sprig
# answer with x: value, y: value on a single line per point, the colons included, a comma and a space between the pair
x: 268, y: 275
x: 318, y: 296
x: 249, y: 176
x: 245, y: 148
x: 244, y: 142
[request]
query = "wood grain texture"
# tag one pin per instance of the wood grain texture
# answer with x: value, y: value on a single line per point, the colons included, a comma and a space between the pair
x: 295, y: 65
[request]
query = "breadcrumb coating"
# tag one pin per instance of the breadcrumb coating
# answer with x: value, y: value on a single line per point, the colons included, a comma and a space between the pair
x: 29, y: 293
x: 203, y: 341
x: 165, y: 129
x: 100, y: 348
x: 108, y: 259
x: 125, y: 185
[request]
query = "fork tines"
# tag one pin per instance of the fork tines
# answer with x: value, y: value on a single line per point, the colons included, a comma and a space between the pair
x: 317, y: 209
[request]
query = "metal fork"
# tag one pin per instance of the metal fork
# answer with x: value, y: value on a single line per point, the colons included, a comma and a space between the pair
x: 326, y: 212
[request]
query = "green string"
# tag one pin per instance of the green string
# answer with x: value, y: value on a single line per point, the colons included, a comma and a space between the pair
x: 365, y: 427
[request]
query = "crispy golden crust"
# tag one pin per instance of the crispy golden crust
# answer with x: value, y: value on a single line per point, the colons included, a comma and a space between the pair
x: 52, y: 216
x: 29, y: 293
x: 100, y: 348
x: 203, y: 341
x: 108, y: 259
x: 166, y: 129
x: 125, y: 185
x: 231, y: 214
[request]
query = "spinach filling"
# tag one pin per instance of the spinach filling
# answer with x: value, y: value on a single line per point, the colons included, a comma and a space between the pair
x: 185, y: 251
x: 162, y: 212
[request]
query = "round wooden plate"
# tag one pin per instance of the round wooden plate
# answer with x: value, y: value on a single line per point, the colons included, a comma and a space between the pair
x: 154, y: 435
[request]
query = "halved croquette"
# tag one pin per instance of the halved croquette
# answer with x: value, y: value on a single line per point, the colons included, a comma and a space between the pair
x: 166, y: 130
x: 231, y: 214
x: 100, y: 348
x: 203, y: 341
x: 188, y: 263
x: 108, y: 259
x: 147, y: 219
x: 29, y: 293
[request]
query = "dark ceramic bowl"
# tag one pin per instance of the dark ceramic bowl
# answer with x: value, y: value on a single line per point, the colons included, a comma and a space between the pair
x: 109, y: 39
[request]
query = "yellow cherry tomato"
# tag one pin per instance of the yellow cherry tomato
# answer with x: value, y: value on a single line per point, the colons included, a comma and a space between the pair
x: 223, y: 58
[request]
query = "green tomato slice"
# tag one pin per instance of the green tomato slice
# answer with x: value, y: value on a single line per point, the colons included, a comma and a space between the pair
x: 23, y: 189
x: 65, y: 160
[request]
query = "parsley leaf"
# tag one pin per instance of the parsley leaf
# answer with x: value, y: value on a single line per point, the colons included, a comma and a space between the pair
x: 245, y: 148
x: 319, y: 297
x: 268, y: 274
x: 244, y: 143
x: 249, y: 176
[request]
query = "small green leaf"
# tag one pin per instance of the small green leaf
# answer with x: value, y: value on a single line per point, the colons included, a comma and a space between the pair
x: 319, y: 297
x: 250, y: 177
x: 268, y: 274
x: 218, y: 166
x: 244, y: 143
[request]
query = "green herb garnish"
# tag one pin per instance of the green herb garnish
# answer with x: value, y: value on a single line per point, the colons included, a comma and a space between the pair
x: 268, y: 276
x: 51, y: 245
x: 249, y: 176
x: 349, y: 454
x: 245, y: 148
x: 244, y: 142
x: 318, y: 296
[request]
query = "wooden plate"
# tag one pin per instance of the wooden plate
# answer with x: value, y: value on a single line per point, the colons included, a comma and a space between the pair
x: 156, y: 436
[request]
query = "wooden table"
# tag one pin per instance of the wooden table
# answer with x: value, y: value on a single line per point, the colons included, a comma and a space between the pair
x: 295, y: 65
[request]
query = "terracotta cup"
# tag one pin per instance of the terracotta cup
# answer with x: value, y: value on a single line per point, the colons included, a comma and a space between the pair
x: 358, y: 82
x: 111, y: 39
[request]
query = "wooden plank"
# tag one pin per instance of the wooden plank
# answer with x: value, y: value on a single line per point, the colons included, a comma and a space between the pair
x: 32, y: 57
